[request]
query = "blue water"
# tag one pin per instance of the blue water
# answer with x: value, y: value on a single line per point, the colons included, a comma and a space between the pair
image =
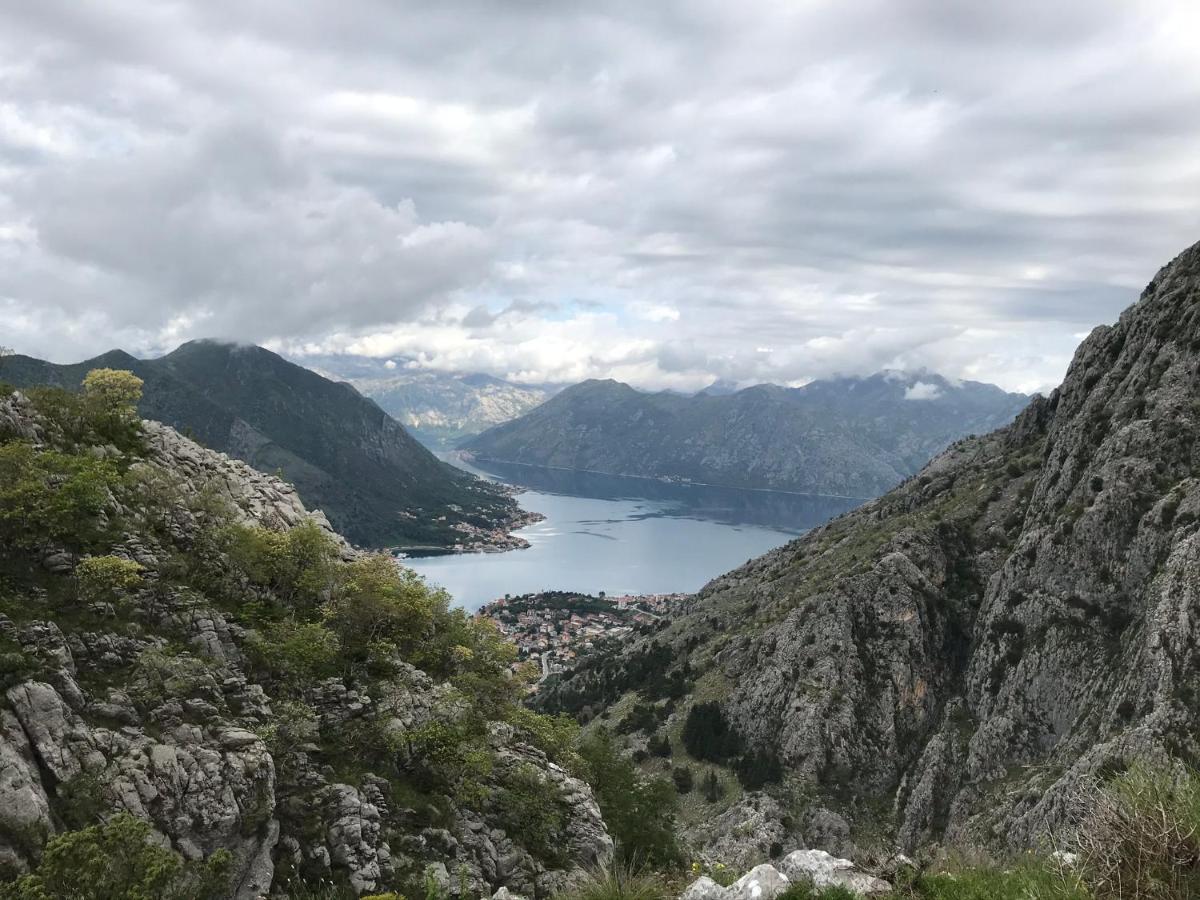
x: 625, y: 535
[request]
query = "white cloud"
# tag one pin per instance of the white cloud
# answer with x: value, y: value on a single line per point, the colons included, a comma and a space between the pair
x: 922, y: 390
x: 669, y: 192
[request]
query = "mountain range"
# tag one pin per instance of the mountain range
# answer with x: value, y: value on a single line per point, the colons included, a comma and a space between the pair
x: 344, y: 454
x: 962, y: 661
x: 440, y: 409
x: 853, y: 437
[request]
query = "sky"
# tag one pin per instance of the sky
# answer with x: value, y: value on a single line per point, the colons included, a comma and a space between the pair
x: 666, y: 193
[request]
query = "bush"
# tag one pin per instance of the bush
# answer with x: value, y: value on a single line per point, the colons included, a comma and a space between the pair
x: 639, y: 811
x: 48, y: 497
x: 104, y: 578
x: 118, y: 861
x: 1139, y: 835
x: 683, y: 779
x: 619, y: 882
x: 295, y: 653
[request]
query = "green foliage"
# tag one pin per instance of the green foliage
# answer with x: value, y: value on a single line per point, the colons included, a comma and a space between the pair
x: 708, y: 736
x: 104, y: 578
x: 639, y: 811
x: 292, y: 725
x: 297, y: 565
x: 161, y: 674
x: 295, y: 653
x: 556, y: 736
x: 531, y: 811
x: 118, y: 861
x: 50, y: 497
x: 1029, y: 880
x: 619, y: 882
x: 1139, y: 836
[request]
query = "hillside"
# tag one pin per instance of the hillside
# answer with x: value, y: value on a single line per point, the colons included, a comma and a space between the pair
x: 182, y: 642
x: 440, y: 409
x: 954, y: 661
x: 345, y: 456
x: 849, y: 437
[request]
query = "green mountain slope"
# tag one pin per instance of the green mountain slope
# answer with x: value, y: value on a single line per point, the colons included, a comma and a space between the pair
x: 847, y: 436
x: 345, y: 455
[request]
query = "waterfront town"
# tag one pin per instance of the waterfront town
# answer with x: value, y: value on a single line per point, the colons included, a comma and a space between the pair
x: 556, y: 628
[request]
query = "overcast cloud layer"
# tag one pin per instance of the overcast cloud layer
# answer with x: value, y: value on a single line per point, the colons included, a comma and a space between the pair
x: 661, y: 192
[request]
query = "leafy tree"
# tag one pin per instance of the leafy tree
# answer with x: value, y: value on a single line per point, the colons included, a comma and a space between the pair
x: 639, y: 811
x: 297, y: 564
x: 114, y: 391
x: 295, y: 653
x: 118, y: 861
x: 103, y: 578
x: 51, y: 497
x: 659, y: 746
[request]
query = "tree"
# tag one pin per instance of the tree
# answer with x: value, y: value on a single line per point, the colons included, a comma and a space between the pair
x: 118, y: 861
x: 103, y: 578
x: 110, y: 398
x: 684, y: 781
x: 708, y: 736
x: 639, y: 811
x: 115, y: 390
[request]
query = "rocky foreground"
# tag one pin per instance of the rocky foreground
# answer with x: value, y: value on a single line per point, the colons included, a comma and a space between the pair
x: 156, y: 701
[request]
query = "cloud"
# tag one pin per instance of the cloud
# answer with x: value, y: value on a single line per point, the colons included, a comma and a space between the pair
x: 649, y: 191
x: 922, y: 390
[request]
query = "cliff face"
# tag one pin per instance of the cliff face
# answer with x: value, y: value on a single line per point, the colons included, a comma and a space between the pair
x: 855, y: 437
x: 147, y: 702
x: 948, y: 661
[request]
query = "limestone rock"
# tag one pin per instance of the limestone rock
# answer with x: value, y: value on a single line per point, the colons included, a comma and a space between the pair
x: 763, y: 882
x: 704, y: 888
x: 824, y: 870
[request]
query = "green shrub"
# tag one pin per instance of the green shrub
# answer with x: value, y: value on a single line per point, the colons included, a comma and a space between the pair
x: 295, y: 653
x: 639, y: 811
x: 533, y: 814
x: 118, y: 861
x: 619, y: 882
x: 49, y: 497
x: 105, y: 578
x: 1139, y: 835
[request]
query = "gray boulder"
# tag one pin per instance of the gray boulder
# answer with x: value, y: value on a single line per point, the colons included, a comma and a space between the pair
x: 824, y: 870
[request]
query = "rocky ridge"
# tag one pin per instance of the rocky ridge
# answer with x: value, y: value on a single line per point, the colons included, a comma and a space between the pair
x: 949, y: 662
x: 102, y: 714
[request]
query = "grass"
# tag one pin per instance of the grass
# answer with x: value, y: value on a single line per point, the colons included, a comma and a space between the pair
x: 620, y: 883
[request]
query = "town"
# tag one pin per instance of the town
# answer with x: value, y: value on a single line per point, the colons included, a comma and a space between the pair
x: 556, y: 628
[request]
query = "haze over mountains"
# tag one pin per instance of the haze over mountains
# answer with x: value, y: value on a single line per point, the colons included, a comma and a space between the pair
x: 438, y: 408
x: 847, y: 436
x: 345, y: 455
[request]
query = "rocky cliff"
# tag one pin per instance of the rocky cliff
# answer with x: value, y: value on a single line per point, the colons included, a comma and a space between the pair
x: 174, y: 695
x: 854, y: 437
x: 947, y: 662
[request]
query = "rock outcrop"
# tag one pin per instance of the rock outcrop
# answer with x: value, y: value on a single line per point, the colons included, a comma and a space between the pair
x: 947, y: 662
x: 144, y: 705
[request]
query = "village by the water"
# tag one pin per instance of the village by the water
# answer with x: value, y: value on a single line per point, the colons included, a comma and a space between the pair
x: 556, y: 628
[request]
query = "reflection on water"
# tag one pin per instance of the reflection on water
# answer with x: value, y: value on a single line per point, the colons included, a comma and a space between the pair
x: 625, y: 535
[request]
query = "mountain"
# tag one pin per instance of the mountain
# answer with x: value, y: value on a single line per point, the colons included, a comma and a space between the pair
x: 961, y: 660
x: 853, y: 437
x: 224, y: 700
x: 343, y: 453
x: 439, y: 408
